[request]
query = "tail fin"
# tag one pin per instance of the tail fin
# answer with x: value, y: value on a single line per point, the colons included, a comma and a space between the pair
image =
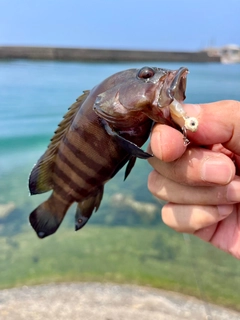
x: 47, y: 217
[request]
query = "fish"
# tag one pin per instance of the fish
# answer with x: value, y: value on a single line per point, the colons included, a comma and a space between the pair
x: 101, y: 132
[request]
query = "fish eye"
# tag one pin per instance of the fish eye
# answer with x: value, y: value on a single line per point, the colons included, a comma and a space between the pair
x: 146, y: 73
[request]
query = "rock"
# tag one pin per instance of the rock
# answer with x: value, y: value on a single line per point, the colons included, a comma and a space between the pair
x: 121, y: 200
x: 6, y: 209
x: 91, y: 301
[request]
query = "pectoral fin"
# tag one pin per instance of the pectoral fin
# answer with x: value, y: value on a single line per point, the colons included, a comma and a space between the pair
x: 85, y: 208
x: 129, y: 146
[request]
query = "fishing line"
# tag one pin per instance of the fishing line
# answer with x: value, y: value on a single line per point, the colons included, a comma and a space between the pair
x: 207, y: 308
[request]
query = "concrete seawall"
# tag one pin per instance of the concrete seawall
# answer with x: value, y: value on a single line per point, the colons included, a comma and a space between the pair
x: 104, y: 55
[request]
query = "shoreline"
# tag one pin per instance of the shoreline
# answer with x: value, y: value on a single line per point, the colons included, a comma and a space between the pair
x: 101, y: 55
x: 105, y: 301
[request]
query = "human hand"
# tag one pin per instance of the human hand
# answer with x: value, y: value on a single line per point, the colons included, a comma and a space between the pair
x: 201, y: 183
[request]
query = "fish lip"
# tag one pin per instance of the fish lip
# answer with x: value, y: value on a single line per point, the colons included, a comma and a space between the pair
x: 173, y: 87
x: 178, y: 85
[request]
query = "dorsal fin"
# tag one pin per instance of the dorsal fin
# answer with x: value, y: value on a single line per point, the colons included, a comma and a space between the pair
x: 40, y: 179
x: 66, y: 122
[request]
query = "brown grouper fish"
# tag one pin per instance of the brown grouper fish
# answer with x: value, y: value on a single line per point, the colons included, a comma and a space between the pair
x: 101, y: 132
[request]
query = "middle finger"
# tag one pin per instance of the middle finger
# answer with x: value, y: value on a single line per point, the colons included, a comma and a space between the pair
x: 197, y: 167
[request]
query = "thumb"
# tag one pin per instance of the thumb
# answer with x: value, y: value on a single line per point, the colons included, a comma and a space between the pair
x: 219, y: 122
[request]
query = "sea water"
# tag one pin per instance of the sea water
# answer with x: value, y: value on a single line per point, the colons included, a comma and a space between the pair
x: 34, y: 96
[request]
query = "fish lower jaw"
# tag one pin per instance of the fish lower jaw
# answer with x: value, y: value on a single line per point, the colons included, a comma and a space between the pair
x: 180, y: 116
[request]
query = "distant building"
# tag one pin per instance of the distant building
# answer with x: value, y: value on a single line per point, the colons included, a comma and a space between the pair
x: 230, y: 54
x: 212, y: 51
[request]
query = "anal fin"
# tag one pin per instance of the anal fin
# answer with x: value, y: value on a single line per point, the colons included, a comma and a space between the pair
x: 85, y: 208
x: 129, y: 167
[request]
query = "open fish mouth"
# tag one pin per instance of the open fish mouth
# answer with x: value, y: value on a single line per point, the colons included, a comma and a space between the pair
x: 174, y: 94
x: 170, y: 101
x: 178, y: 86
x: 174, y: 87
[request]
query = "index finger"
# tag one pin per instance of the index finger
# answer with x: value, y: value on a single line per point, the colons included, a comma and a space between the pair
x: 166, y: 143
x: 218, y: 123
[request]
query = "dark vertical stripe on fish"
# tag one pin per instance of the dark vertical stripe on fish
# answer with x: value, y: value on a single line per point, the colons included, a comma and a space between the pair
x: 95, y: 142
x: 86, y: 178
x: 70, y: 183
x: 63, y: 194
x: 99, y: 169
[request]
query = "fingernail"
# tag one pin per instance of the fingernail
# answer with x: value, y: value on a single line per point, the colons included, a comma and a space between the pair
x: 192, y: 110
x: 233, y: 191
x: 225, y: 210
x: 216, y: 171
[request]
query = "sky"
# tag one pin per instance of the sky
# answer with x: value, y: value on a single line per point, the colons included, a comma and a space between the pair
x: 177, y: 25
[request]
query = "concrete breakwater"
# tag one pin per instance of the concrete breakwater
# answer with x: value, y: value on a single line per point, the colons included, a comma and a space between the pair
x: 104, y: 55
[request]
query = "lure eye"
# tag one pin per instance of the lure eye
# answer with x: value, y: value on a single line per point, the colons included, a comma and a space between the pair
x: 145, y: 73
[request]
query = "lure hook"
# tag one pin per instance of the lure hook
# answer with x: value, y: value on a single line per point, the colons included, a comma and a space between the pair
x: 185, y: 139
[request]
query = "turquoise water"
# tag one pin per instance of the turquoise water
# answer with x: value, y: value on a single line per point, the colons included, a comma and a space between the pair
x: 35, y: 95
